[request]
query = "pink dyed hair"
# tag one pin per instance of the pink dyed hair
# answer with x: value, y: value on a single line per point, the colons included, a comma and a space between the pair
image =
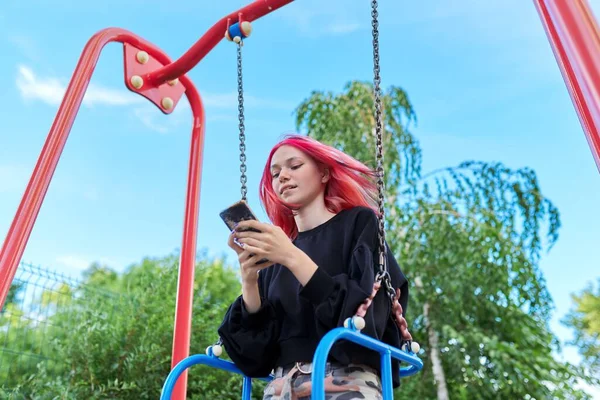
x: 351, y: 183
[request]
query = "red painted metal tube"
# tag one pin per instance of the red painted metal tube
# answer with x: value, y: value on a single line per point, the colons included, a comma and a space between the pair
x: 39, y: 182
x: 210, y: 39
x: 575, y: 39
x: 185, y: 285
x: 20, y: 229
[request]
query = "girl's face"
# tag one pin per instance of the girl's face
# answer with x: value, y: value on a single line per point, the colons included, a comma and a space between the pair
x: 296, y: 177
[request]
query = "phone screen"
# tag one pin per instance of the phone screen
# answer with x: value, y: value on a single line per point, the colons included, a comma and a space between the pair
x: 237, y: 213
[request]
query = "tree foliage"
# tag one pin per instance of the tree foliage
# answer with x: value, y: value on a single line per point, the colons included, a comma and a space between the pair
x: 14, y: 291
x: 471, y: 235
x: 584, y: 318
x: 114, y: 339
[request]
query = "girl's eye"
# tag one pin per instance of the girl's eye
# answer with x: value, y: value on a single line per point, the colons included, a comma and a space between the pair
x: 275, y: 175
x: 297, y: 166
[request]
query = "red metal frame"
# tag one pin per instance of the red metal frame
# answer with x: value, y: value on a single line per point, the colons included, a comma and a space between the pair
x: 28, y: 210
x: 155, y: 87
x: 571, y: 29
x: 575, y: 39
x: 210, y: 39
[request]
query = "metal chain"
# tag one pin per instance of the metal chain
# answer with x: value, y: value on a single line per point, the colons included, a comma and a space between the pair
x: 383, y: 271
x: 243, y: 178
x: 378, y: 129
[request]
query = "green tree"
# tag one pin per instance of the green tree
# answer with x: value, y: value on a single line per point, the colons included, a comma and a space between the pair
x: 13, y: 292
x: 114, y: 339
x: 584, y: 319
x: 470, y: 238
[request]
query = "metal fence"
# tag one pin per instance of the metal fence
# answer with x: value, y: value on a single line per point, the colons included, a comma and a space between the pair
x: 27, y: 329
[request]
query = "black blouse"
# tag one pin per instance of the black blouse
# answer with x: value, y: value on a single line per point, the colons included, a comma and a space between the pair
x: 292, y: 319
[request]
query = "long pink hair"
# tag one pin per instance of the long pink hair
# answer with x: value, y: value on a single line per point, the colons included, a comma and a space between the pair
x: 351, y: 183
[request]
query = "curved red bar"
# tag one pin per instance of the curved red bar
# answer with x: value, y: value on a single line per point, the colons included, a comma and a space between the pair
x: 210, y: 39
x: 182, y: 329
x: 20, y: 229
x: 575, y: 39
x: 22, y: 225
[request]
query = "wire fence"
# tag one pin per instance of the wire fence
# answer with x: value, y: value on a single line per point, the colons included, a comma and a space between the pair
x: 28, y: 327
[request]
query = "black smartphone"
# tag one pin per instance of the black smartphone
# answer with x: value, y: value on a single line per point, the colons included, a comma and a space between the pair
x: 237, y: 213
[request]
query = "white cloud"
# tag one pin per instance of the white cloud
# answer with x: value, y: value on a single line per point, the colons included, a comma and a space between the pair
x: 51, y: 91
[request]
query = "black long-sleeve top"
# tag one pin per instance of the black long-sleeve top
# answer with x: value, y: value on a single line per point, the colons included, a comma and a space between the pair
x: 292, y: 319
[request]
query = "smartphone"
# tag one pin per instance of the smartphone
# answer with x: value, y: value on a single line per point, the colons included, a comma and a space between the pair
x: 237, y: 213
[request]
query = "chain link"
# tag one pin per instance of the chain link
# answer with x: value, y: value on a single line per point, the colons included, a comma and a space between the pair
x: 243, y: 178
x: 378, y: 131
x: 382, y: 274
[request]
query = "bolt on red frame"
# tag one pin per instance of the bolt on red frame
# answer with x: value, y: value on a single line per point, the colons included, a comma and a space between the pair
x: 571, y: 29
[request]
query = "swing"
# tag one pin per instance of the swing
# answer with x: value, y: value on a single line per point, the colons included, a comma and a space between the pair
x: 237, y: 32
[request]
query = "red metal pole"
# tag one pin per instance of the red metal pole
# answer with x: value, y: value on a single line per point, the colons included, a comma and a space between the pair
x: 575, y: 39
x: 185, y: 285
x: 20, y: 229
x: 39, y: 182
x: 211, y: 38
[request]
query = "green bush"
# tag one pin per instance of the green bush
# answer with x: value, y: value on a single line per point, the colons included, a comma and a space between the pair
x: 119, y: 346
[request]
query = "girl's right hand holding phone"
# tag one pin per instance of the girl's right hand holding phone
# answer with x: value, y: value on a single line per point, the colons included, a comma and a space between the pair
x: 249, y: 271
x: 248, y: 266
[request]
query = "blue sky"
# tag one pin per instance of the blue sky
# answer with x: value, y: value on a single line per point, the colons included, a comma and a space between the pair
x: 481, y: 76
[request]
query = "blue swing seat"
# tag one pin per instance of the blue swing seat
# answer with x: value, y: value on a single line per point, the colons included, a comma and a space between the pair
x: 387, y: 352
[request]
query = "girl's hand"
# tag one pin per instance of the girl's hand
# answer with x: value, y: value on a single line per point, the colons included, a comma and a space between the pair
x: 270, y: 243
x: 248, y: 267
